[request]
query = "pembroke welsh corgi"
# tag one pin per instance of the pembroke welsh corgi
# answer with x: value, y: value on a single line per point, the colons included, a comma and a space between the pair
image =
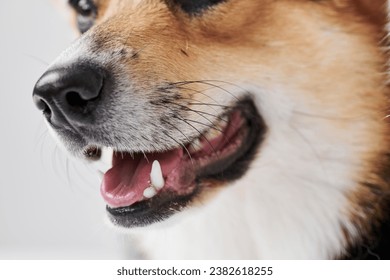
x: 231, y: 129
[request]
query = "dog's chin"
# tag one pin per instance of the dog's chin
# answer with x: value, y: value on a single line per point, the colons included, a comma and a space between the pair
x: 184, y: 174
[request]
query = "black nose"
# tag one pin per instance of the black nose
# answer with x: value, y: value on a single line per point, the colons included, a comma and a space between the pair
x: 69, y: 95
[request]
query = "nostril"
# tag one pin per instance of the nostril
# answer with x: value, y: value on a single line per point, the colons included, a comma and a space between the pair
x: 46, y: 109
x: 70, y: 95
x: 42, y: 105
x: 75, y: 100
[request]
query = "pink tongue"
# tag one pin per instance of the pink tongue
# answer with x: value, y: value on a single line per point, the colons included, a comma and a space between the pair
x: 125, y: 182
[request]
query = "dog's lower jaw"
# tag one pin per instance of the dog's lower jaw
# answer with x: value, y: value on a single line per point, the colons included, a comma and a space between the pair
x: 261, y: 228
x: 273, y: 212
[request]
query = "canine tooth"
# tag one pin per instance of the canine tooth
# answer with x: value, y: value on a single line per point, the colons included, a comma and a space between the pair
x: 150, y: 192
x: 156, y: 177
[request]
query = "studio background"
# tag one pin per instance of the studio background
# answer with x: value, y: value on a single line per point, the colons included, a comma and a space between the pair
x: 50, y: 206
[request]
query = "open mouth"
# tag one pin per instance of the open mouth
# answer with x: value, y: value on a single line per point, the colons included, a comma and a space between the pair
x: 142, y: 188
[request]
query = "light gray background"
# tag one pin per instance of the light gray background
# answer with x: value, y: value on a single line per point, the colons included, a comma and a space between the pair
x: 46, y: 212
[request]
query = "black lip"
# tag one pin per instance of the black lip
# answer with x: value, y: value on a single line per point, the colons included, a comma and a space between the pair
x: 228, y: 169
x: 147, y: 212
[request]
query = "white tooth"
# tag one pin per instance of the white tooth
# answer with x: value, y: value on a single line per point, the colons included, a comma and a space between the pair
x: 156, y: 177
x: 222, y: 123
x: 212, y: 134
x: 150, y: 192
x: 195, y: 146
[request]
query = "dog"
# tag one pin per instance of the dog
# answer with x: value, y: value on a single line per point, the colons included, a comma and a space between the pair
x: 227, y: 129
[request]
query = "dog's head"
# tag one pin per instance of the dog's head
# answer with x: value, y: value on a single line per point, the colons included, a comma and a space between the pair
x: 180, y: 97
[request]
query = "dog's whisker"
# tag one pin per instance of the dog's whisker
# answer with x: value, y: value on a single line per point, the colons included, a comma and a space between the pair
x: 190, y: 101
x: 212, y: 126
x: 201, y: 134
x: 209, y: 83
x: 40, y: 139
x: 41, y: 150
x: 182, y: 145
x: 68, y: 180
x: 145, y: 156
x: 209, y: 104
x: 37, y: 59
x: 202, y: 92
x: 176, y: 128
x: 201, y: 113
x: 53, y: 160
